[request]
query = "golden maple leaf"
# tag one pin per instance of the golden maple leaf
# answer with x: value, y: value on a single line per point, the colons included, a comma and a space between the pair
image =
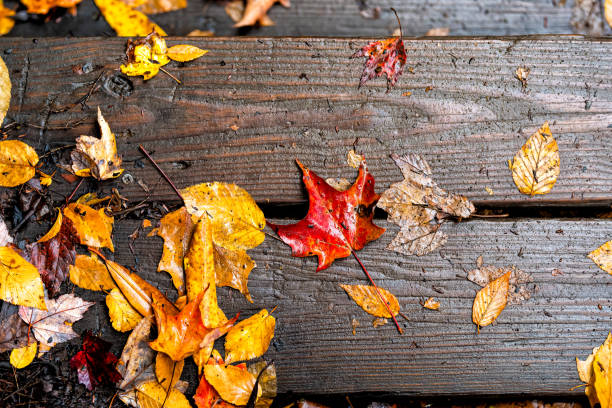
x: 88, y: 272
x: 602, y: 256
x: 122, y: 315
x: 234, y: 384
x: 126, y: 21
x: 94, y: 227
x: 249, y: 338
x: 20, y: 281
x: 535, y: 167
x: 490, y: 301
x: 17, y: 161
x: 367, y: 298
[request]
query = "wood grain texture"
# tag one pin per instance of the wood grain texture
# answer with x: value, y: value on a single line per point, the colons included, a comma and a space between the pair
x: 529, y: 350
x: 298, y: 98
x: 339, y: 18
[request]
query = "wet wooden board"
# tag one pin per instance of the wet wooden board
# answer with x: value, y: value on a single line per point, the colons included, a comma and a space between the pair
x: 339, y: 18
x: 530, y: 350
x: 298, y: 98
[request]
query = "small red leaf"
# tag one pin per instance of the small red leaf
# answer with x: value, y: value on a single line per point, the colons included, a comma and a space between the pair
x: 384, y: 56
x: 95, y: 364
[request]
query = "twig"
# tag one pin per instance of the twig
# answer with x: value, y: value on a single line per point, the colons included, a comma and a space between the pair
x: 378, y: 292
x: 28, y: 214
x: 74, y: 191
x: 349, y: 401
x: 142, y: 149
x: 398, y: 22
x: 169, y: 74
x: 505, y: 215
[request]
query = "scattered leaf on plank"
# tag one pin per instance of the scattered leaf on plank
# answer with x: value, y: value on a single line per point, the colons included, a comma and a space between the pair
x: 255, y: 12
x: 17, y: 160
x: 608, y: 11
x: 267, y: 383
x: 122, y: 315
x: 44, y: 6
x: 185, y: 52
x: 233, y: 383
x: 23, y: 356
x: 95, y: 364
x: 490, y: 301
x: 93, y: 227
x: 337, y: 222
x: 54, y: 325
x: 156, y: 6
x: 6, y: 25
x: 602, y: 256
x: 596, y: 372
x: 97, y: 157
x: 536, y: 166
x: 250, y: 338
x: 520, y: 285
x: 383, y: 57
x: 126, y: 21
x: 367, y: 298
x: 431, y: 304
x: 88, y: 272
x: 417, y: 205
x: 20, y: 281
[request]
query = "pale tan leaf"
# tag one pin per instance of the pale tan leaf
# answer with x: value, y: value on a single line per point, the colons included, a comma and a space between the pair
x: 520, y: 284
x: 136, y: 363
x: 490, y: 301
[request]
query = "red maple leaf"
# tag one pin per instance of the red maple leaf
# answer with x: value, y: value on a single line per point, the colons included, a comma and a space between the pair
x: 384, y: 56
x: 337, y: 222
x: 53, y: 258
x: 95, y: 364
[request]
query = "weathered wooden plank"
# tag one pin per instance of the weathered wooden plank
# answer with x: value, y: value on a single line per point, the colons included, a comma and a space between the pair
x: 530, y: 350
x: 298, y: 98
x: 341, y: 18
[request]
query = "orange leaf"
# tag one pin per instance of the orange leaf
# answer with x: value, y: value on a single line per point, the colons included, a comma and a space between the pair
x: 490, y: 301
x: 184, y: 53
x: 88, y: 272
x: 367, y: 298
x: 6, y: 25
x: 256, y: 10
x: 233, y: 384
x: 93, y: 227
x: 43, y: 6
x: 431, y: 304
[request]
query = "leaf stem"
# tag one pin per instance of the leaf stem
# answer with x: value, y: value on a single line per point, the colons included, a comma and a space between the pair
x: 142, y: 149
x: 398, y: 22
x: 169, y: 74
x: 399, y: 329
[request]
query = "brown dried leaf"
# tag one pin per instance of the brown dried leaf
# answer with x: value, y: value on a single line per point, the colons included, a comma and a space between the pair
x: 490, y: 301
x: 267, y: 383
x: 13, y: 333
x: 136, y: 362
x: 518, y: 290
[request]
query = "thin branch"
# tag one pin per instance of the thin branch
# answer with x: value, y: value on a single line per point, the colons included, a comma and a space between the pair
x: 169, y: 74
x: 143, y: 150
x: 398, y: 22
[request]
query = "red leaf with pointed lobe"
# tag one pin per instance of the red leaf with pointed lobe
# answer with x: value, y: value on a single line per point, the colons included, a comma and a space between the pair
x: 337, y: 222
x: 95, y: 364
x: 384, y: 57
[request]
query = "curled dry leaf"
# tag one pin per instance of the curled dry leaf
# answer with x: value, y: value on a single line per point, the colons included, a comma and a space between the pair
x: 250, y: 338
x: 234, y: 384
x: 17, y: 160
x: 256, y: 12
x: 23, y: 356
x: 602, y: 256
x: 168, y: 371
x: 54, y: 325
x: 95, y: 364
x: 20, y: 282
x: 55, y: 228
x: 13, y: 333
x: 417, y: 204
x: 519, y: 288
x: 535, y: 167
x: 44, y: 6
x: 5, y: 80
x: 97, y: 157
x: 156, y: 6
x: 367, y: 298
x: 490, y: 301
x: 136, y: 362
x: 431, y: 304
x: 596, y: 371
x: 185, y: 53
x: 122, y: 315
x: 383, y: 57
x: 6, y: 25
x: 333, y: 234
x: 267, y: 383
x: 126, y: 21
x: 145, y: 56
x: 93, y: 227
x: 88, y: 272
x: 521, y: 74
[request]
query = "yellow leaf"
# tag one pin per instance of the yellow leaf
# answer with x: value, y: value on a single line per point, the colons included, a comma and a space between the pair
x: 94, y: 227
x: 43, y: 6
x: 602, y: 256
x: 431, y: 304
x: 146, y: 56
x: 250, y: 338
x: 184, y: 52
x: 535, y: 167
x: 602, y: 369
x: 97, y: 157
x: 17, y: 160
x: 236, y: 219
x: 200, y: 274
x: 232, y: 268
x: 122, y: 315
x: 201, y: 356
x: 5, y: 85
x: 6, y: 25
x: 367, y: 298
x: 156, y: 6
x: 88, y: 272
x: 267, y: 383
x: 586, y: 372
x: 91, y: 199
x: 232, y: 383
x: 45, y: 179
x: 608, y: 11
x: 152, y: 395
x: 168, y: 371
x: 126, y: 21
x: 20, y: 282
x: 490, y: 301
x: 23, y: 356
x: 55, y: 228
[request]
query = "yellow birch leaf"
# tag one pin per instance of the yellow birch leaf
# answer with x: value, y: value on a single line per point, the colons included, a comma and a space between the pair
x: 236, y: 219
x: 367, y: 298
x: 20, y: 282
x: 6, y: 25
x: 122, y: 315
x: 45, y: 179
x: 23, y: 356
x: 17, y: 160
x: 43, y: 6
x: 250, y: 338
x: 232, y: 383
x: 88, y: 272
x: 152, y: 395
x: 602, y: 256
x: 602, y: 369
x: 5, y: 89
x: 126, y: 21
x: 431, y: 304
x: 97, y: 157
x: 535, y: 167
x: 232, y: 268
x: 184, y: 52
x: 586, y: 372
x: 94, y: 227
x: 200, y: 274
x: 168, y: 371
x: 490, y: 301
x: 55, y: 228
